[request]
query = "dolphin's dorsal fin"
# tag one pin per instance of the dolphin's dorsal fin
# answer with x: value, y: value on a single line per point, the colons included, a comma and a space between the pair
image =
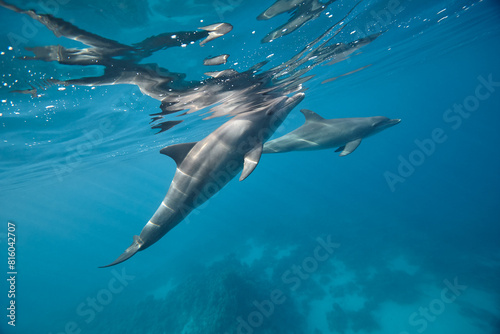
x: 311, y: 116
x: 251, y: 160
x: 178, y: 151
x: 349, y: 147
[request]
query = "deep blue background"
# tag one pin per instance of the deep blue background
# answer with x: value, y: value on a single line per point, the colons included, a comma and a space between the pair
x: 396, y: 247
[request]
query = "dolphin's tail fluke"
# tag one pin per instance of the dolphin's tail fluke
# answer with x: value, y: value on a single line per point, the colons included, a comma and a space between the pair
x: 129, y: 252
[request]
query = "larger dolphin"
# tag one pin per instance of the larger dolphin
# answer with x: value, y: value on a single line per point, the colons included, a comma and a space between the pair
x: 318, y: 133
x: 204, y: 167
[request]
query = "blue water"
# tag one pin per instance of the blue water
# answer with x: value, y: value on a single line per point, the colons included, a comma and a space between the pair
x: 409, y: 220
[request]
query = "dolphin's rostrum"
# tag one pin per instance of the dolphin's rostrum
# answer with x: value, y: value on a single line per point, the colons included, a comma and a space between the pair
x: 318, y: 133
x: 204, y: 167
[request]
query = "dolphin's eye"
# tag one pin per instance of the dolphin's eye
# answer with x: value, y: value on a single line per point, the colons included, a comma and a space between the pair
x: 269, y: 112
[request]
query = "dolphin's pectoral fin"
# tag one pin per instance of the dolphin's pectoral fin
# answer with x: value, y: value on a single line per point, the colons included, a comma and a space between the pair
x: 311, y: 116
x: 129, y: 252
x: 178, y: 151
x: 340, y: 149
x: 251, y: 160
x: 349, y: 147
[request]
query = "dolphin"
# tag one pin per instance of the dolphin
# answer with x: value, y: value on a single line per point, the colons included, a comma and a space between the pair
x: 205, y: 167
x: 318, y: 133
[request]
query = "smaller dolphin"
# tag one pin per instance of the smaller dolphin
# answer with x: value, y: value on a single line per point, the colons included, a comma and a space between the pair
x: 318, y: 133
